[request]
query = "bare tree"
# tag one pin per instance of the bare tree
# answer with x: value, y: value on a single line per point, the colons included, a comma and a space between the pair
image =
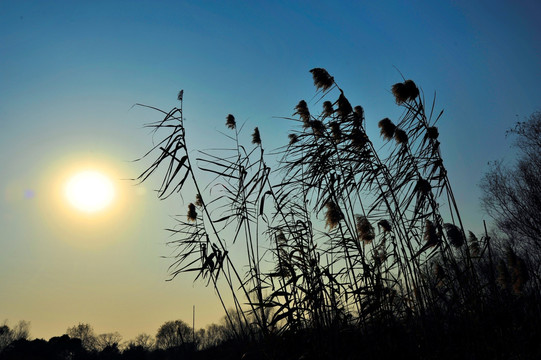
x: 172, y: 334
x: 108, y: 340
x: 20, y: 331
x: 144, y: 341
x: 213, y: 335
x: 512, y: 194
x: 85, y: 332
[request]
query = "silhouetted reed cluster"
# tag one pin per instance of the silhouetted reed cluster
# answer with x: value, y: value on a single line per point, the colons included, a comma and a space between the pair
x: 340, y: 235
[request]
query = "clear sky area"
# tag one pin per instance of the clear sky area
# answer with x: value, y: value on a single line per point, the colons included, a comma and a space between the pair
x: 70, y: 72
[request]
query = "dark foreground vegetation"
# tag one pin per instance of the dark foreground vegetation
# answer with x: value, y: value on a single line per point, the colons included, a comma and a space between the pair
x: 351, y: 250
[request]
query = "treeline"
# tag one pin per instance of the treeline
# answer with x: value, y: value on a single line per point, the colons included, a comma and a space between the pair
x: 81, y: 342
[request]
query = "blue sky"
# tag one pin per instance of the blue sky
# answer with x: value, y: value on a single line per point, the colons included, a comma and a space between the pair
x: 70, y: 72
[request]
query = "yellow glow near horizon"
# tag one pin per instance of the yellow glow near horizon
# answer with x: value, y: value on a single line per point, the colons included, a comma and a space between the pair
x: 90, y: 191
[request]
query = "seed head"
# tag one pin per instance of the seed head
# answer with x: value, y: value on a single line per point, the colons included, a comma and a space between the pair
x: 384, y: 225
x: 180, y: 95
x: 344, y: 107
x: 432, y: 132
x: 327, y: 109
x: 474, y: 244
x: 365, y: 229
x: 192, y: 214
x: 400, y: 136
x: 405, y: 91
x: 430, y: 236
x: 230, y: 121
x: 358, y: 138
x: 387, y: 128
x: 198, y: 200
x: 359, y: 111
x: 322, y: 79
x: 333, y: 215
x: 256, y: 137
x: 423, y: 186
x: 335, y: 130
x: 303, y: 112
x: 293, y: 138
x: 317, y: 127
x: 454, y: 235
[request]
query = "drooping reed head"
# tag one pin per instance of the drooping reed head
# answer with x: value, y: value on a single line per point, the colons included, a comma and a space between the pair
x: 256, y: 137
x: 454, y: 235
x: 358, y: 116
x: 198, y: 200
x: 327, y: 109
x: 344, y: 107
x: 401, y: 136
x: 358, y: 138
x: 317, y: 127
x: 474, y: 247
x: 430, y: 236
x: 293, y: 138
x: 384, y: 225
x: 303, y: 112
x: 322, y: 79
x: 335, y: 130
x: 432, y: 132
x: 423, y: 186
x: 365, y: 229
x: 192, y: 214
x: 333, y: 214
x: 387, y: 128
x: 359, y: 111
x: 405, y: 91
x: 230, y: 121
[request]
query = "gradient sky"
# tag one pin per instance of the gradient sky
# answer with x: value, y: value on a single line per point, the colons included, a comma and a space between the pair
x: 70, y: 71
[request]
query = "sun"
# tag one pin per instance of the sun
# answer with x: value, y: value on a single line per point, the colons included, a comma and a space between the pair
x: 90, y: 191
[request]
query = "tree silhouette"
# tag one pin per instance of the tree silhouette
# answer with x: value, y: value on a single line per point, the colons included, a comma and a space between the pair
x: 173, y: 334
x: 512, y: 195
x: 85, y: 332
x: 21, y: 331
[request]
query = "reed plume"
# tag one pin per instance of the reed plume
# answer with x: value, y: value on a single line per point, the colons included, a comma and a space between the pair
x: 327, y: 109
x: 400, y: 136
x: 293, y: 138
x: 406, y: 91
x: 322, y: 79
x: 230, y: 121
x: 387, y: 128
x: 192, y: 214
x: 344, y: 107
x: 333, y: 214
x: 256, y: 137
x: 365, y: 229
x: 430, y: 235
x: 454, y: 235
x: 303, y: 112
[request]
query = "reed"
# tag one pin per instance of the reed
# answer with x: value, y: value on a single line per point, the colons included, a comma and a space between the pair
x: 339, y: 234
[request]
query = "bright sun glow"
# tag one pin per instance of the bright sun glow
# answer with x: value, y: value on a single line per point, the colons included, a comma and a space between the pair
x: 90, y: 191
